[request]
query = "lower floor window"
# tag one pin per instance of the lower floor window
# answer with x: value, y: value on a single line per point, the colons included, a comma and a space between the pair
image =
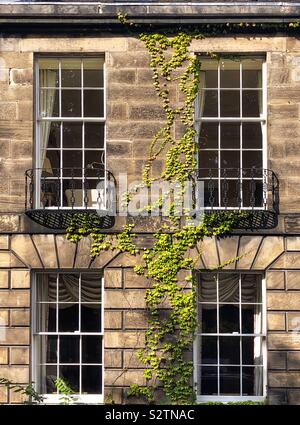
x: 231, y: 336
x: 68, y: 332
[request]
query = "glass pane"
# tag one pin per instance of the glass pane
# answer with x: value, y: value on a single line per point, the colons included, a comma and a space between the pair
x: 252, y: 193
x: 51, y: 163
x: 229, y: 318
x: 92, y: 379
x: 230, y: 135
x: 208, y: 380
x: 252, y: 73
x: 93, y: 72
x: 50, y: 346
x: 48, y: 72
x: 208, y: 350
x: 251, y: 319
x: 208, y: 318
x: 210, y: 98
x: 94, y: 135
x: 71, y: 73
x: 248, y: 350
x: 49, y: 104
x: 91, y: 349
x: 68, y: 318
x: 252, y: 159
x: 93, y: 103
x: 229, y: 350
x: 229, y: 380
x: 229, y: 74
x: 68, y: 288
x: 46, y: 287
x: 48, y: 376
x: 209, y: 76
x: 51, y: 132
x: 211, y: 193
x: 252, y: 103
x: 91, y: 318
x: 229, y: 287
x: 71, y: 103
x: 208, y: 137
x: 252, y: 135
x: 90, y: 158
x: 72, y: 193
x: 230, y: 159
x: 70, y: 374
x: 251, y: 288
x: 230, y: 195
x: 230, y: 103
x: 208, y: 287
x: 91, y: 285
x: 72, y: 160
x: 69, y: 349
x: 252, y: 381
x: 46, y: 317
x: 208, y: 159
x: 72, y: 135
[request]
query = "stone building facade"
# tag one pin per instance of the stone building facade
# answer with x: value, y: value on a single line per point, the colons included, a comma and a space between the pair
x: 133, y: 117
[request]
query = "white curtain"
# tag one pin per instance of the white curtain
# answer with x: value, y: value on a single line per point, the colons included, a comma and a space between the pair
x: 47, y: 79
x: 200, y: 101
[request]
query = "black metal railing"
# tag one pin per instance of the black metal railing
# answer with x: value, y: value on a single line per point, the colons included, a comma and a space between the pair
x: 53, y: 196
x: 252, y: 189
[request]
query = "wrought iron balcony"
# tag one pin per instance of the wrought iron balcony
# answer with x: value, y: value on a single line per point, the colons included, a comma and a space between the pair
x: 53, y: 196
x: 255, y: 190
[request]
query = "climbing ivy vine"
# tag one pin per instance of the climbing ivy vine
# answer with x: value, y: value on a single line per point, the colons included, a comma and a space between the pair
x: 171, y: 304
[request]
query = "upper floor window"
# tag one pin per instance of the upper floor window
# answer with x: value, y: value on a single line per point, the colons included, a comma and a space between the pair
x: 230, y: 347
x: 231, y: 118
x: 70, y: 131
x: 68, y: 334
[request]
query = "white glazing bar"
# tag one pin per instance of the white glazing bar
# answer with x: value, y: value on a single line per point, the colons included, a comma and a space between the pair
x: 57, y: 330
x: 82, y: 135
x: 80, y: 338
x: 240, y: 187
x: 218, y: 333
x: 219, y: 137
x: 240, y: 331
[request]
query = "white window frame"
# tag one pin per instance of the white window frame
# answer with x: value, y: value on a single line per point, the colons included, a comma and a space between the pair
x: 262, y: 119
x: 56, y: 398
x: 223, y: 398
x: 39, y: 120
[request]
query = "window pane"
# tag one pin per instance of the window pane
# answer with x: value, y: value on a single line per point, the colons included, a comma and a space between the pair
x: 208, y: 137
x: 72, y: 160
x: 252, y: 159
x: 252, y: 135
x: 252, y: 381
x: 208, y: 287
x: 48, y: 376
x: 90, y: 157
x: 251, y: 318
x: 46, y: 287
x: 252, y: 350
x: 71, y: 73
x: 72, y: 135
x: 69, y: 349
x: 51, y: 162
x: 211, y: 193
x: 93, y: 103
x: 49, y: 104
x: 209, y: 74
x: 252, y: 193
x: 230, y: 103
x: 230, y: 136
x: 229, y: 287
x: 229, y: 318
x: 91, y: 285
x: 46, y: 320
x: 70, y: 374
x: 230, y: 195
x: 71, y: 103
x: 91, y: 317
x: 91, y: 349
x: 251, y: 288
x: 208, y: 350
x: 229, y: 380
x: 230, y: 159
x: 51, y: 132
x: 68, y: 318
x: 49, y: 346
x: 210, y: 99
x: 252, y: 103
x: 93, y: 72
x: 94, y: 135
x: 92, y: 379
x: 48, y: 72
x: 208, y: 318
x: 208, y: 159
x: 229, y: 350
x: 208, y: 380
x: 252, y: 73
x: 229, y: 74
x: 72, y: 193
x: 68, y: 288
